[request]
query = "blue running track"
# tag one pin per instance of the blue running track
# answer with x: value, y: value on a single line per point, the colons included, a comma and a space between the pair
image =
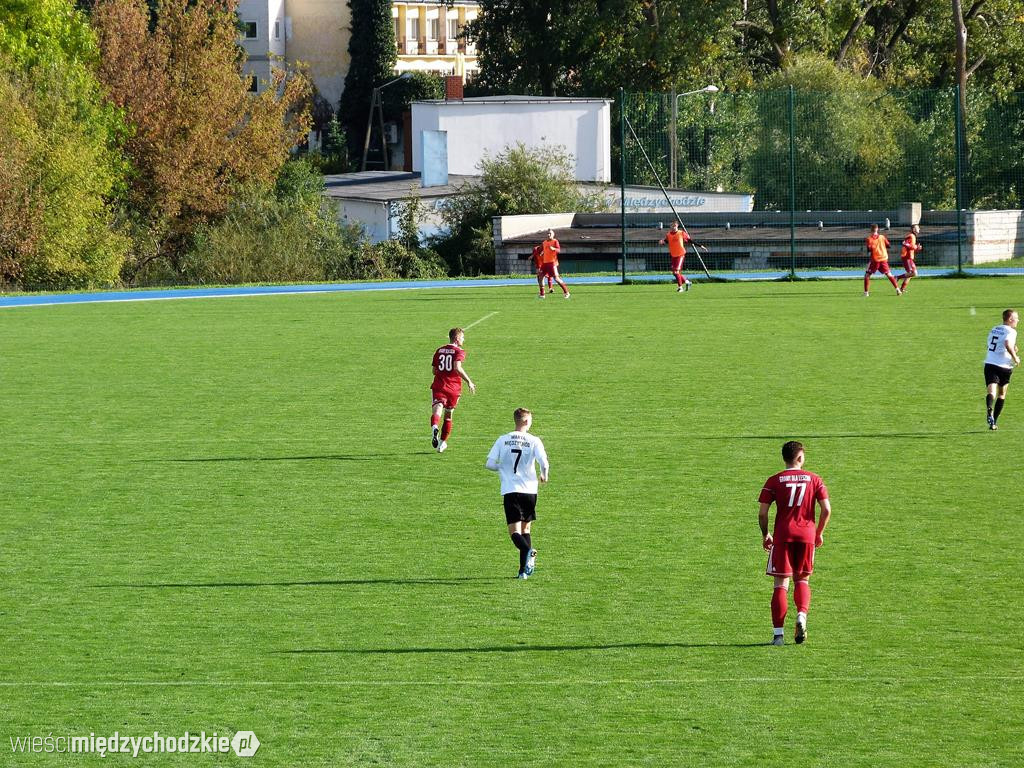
x: 50, y: 299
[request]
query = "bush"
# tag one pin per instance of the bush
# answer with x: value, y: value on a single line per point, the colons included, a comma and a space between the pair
x: 60, y: 166
x: 280, y: 235
x: 287, y: 234
x: 391, y: 260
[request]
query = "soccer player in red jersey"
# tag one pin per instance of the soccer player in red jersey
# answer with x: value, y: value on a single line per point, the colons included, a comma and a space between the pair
x: 447, y: 386
x: 549, y: 263
x: 908, y: 251
x: 878, y: 251
x: 794, y: 538
x: 677, y: 240
x: 538, y: 261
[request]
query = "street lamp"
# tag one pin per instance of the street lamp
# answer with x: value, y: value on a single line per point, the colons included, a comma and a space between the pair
x: 673, y: 139
x: 377, y: 104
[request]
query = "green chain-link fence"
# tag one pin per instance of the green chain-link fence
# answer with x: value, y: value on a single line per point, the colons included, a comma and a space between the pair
x: 810, y: 172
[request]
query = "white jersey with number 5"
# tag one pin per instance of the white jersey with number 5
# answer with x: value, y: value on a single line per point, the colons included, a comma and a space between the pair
x: 998, y: 339
x: 514, y: 456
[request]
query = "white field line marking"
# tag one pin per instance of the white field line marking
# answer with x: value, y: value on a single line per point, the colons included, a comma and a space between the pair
x: 485, y: 317
x: 768, y: 680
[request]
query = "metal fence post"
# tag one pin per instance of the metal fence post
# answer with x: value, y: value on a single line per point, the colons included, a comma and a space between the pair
x: 792, y: 186
x: 958, y: 184
x: 622, y: 178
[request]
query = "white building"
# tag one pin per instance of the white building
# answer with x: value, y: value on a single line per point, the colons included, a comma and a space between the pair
x: 265, y: 31
x: 487, y: 126
x: 429, y: 37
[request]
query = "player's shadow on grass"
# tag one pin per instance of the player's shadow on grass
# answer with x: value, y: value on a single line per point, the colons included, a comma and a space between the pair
x: 516, y: 648
x: 311, y: 457
x: 448, y: 581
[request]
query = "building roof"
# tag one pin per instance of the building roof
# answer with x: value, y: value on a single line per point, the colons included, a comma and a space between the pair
x: 386, y: 186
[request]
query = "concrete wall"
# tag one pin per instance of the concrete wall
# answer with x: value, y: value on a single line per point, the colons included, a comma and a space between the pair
x: 514, y: 226
x: 993, y: 236
x: 319, y: 38
x: 372, y: 216
x: 477, y: 128
x: 430, y: 221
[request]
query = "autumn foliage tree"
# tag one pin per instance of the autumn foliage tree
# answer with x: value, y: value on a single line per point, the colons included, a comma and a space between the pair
x: 60, y: 166
x: 198, y: 134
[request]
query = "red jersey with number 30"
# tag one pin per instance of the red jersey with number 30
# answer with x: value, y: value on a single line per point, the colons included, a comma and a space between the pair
x: 446, y: 375
x: 794, y: 492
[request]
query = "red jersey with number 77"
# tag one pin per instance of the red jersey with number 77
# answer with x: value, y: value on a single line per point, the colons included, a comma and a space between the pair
x: 446, y: 375
x: 794, y: 492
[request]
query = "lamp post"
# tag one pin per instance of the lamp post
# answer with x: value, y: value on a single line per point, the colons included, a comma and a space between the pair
x: 673, y: 139
x: 376, y: 103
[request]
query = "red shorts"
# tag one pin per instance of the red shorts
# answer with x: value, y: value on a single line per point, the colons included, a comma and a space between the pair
x: 878, y: 266
x: 676, y: 262
x: 789, y: 557
x: 549, y: 270
x: 446, y: 398
x: 909, y: 266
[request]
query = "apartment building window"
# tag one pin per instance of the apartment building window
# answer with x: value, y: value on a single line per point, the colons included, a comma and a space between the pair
x: 412, y: 28
x: 433, y: 29
x: 453, y: 29
x: 249, y: 30
x: 277, y: 30
x: 254, y: 86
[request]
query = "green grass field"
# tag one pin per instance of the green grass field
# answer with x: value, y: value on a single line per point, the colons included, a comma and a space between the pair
x: 225, y: 515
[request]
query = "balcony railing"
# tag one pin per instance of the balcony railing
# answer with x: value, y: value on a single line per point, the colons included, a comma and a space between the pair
x: 413, y: 47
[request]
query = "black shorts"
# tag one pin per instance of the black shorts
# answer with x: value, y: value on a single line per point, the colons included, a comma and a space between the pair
x: 996, y: 374
x: 520, y: 507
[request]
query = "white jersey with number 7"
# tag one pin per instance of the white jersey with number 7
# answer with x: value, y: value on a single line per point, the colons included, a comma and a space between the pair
x: 515, y: 455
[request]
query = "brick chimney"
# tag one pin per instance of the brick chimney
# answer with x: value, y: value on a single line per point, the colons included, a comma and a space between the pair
x: 453, y: 88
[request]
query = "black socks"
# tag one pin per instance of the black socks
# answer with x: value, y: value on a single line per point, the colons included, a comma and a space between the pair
x: 524, y: 549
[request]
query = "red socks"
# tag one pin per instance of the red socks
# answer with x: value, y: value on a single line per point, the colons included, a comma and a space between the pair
x: 446, y: 429
x: 679, y: 279
x: 435, y: 419
x: 802, y: 596
x: 779, y: 599
x: 893, y: 281
x: 867, y: 283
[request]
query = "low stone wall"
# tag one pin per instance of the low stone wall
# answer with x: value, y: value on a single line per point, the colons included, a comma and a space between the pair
x: 994, y: 236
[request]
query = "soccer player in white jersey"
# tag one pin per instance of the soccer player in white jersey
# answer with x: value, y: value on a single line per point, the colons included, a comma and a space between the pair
x: 514, y: 457
x: 999, y: 362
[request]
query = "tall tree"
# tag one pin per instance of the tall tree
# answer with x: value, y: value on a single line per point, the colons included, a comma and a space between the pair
x: 60, y: 164
x: 198, y: 133
x: 372, y: 56
x: 593, y: 47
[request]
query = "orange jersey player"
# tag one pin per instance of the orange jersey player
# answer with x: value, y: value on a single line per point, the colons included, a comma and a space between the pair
x: 549, y: 264
x: 878, y: 246
x: 910, y: 248
x: 538, y: 261
x: 677, y: 239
